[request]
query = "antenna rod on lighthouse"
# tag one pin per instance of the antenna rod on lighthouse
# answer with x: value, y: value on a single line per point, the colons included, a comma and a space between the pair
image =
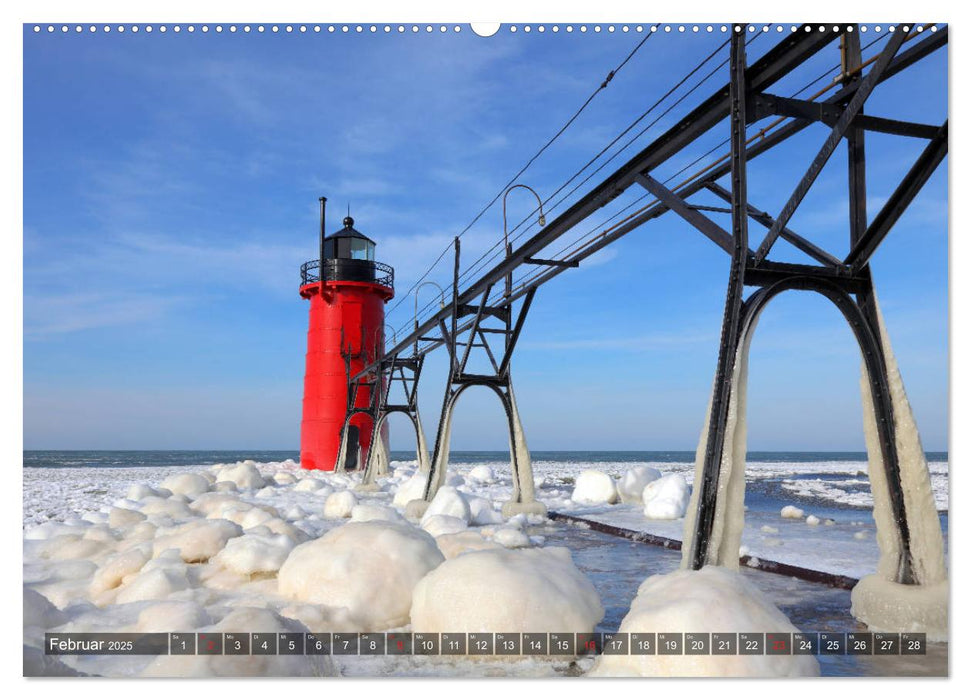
x: 323, y: 234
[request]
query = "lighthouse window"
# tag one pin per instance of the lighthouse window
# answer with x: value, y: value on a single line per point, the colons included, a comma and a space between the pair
x: 362, y: 249
x: 329, y: 249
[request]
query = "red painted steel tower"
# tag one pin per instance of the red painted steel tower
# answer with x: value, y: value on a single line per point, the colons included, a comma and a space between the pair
x: 347, y: 290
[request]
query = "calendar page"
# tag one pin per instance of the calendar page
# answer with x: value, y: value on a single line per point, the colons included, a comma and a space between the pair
x: 523, y: 349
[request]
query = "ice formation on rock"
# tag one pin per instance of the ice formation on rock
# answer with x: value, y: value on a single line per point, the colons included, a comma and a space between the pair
x: 448, y: 501
x: 458, y: 543
x: 714, y: 599
x: 191, y: 484
x: 196, y: 540
x: 594, y: 488
x: 369, y: 569
x: 244, y: 474
x: 411, y: 490
x: 511, y: 537
x: 255, y: 554
x: 250, y: 619
x: 366, y: 512
x: 437, y: 525
x: 482, y: 474
x: 339, y: 504
x: 666, y: 498
x: 309, y: 485
x: 630, y: 488
x: 528, y: 590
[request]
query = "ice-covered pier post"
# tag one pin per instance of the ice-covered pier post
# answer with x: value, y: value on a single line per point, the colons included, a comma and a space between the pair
x: 909, y: 589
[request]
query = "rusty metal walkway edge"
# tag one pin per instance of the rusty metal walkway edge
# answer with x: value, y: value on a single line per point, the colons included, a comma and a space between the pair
x: 766, y: 565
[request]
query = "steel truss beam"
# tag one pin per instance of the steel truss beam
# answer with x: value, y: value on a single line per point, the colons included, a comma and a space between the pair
x: 913, y: 181
x: 779, y: 61
x: 718, y: 415
x: 785, y: 57
x: 847, y: 284
x: 499, y: 355
x: 850, y: 112
x: 766, y: 105
x: 744, y: 100
x: 404, y: 372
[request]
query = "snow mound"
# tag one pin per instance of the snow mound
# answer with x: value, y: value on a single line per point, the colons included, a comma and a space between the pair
x: 255, y: 554
x: 812, y: 520
x: 39, y: 612
x: 594, y: 488
x: 411, y: 490
x: 791, y: 513
x: 666, y: 498
x: 309, y: 485
x: 482, y: 474
x: 511, y: 538
x: 52, y: 529
x: 256, y: 665
x: 137, y: 492
x: 367, y: 512
x: 339, y: 504
x: 528, y: 590
x: 461, y: 542
x: 169, y: 615
x: 117, y: 567
x: 481, y: 511
x: 191, y: 484
x: 197, y: 540
x: 123, y: 517
x: 370, y: 569
x: 632, y: 483
x: 448, y: 501
x: 438, y: 525
x: 244, y: 474
x: 153, y: 584
x: 284, y: 478
x: 713, y: 599
x: 158, y: 506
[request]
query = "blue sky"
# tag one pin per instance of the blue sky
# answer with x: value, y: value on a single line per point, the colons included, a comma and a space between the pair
x: 170, y: 186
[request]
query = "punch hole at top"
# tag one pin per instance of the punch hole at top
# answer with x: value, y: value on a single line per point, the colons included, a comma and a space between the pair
x: 485, y: 29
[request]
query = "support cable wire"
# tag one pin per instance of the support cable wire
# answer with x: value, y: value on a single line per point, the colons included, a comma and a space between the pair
x: 497, y: 249
x: 478, y: 264
x: 711, y: 73
x: 602, y: 86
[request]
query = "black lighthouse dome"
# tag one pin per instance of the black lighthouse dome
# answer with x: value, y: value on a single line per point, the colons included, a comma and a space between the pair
x: 347, y: 255
x: 348, y: 244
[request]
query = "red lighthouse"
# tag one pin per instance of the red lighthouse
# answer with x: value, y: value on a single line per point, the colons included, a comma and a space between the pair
x: 347, y: 290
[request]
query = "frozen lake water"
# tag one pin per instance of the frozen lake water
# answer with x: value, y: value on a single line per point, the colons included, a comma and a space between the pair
x: 66, y: 487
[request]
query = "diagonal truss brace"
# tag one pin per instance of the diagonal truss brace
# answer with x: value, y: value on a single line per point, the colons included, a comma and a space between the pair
x: 762, y: 217
x: 909, y: 187
x: 713, y: 231
x: 832, y: 141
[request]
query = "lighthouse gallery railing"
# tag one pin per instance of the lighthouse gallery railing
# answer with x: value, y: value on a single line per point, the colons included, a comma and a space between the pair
x: 341, y: 269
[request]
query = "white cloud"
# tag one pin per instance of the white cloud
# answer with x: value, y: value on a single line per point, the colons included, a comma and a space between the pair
x: 56, y: 314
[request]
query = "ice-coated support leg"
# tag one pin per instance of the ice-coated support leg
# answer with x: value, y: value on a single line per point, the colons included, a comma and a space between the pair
x: 523, y: 498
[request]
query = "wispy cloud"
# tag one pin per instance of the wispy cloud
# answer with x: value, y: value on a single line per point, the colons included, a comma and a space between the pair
x: 57, y: 314
x: 655, y: 341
